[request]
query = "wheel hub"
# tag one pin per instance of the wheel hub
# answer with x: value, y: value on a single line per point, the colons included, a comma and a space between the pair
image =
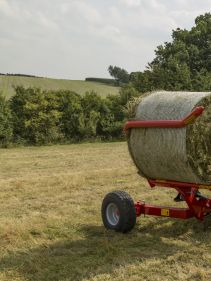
x: 112, y: 214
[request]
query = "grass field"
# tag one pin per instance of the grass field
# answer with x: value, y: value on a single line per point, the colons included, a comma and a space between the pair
x: 78, y: 86
x: 51, y: 229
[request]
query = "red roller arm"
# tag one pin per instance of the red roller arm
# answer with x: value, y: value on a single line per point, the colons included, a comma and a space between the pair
x: 190, y: 118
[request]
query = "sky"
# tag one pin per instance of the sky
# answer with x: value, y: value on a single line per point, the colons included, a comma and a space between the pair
x: 75, y: 39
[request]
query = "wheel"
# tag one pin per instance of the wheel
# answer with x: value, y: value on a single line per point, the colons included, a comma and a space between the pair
x: 118, y: 211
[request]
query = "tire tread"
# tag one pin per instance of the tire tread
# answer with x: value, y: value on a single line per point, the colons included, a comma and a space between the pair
x: 127, y: 210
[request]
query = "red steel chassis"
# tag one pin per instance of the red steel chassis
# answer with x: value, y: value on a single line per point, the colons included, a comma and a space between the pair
x: 198, y: 206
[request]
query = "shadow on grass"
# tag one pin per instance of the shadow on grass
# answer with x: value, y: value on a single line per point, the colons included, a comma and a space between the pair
x: 100, y: 251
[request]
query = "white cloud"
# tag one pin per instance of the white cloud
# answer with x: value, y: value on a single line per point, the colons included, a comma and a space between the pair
x: 83, y: 10
x: 131, y: 3
x: 4, y: 7
x: 7, y: 10
x: 79, y: 38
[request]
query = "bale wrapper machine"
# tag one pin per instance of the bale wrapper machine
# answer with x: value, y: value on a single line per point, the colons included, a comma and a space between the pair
x: 119, y: 212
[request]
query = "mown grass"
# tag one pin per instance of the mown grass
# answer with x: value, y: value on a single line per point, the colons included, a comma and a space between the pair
x: 50, y: 222
x: 7, y: 84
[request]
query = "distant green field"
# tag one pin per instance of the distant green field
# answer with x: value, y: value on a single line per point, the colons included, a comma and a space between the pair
x: 7, y: 84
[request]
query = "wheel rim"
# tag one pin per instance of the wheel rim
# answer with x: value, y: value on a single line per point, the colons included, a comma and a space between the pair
x: 112, y: 214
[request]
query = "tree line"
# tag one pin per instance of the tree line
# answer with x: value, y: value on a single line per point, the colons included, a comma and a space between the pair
x: 184, y: 64
x: 36, y: 117
x: 107, y: 81
x: 20, y: 74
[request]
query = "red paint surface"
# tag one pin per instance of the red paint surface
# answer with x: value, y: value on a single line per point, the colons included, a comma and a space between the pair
x: 165, y: 123
x: 197, y: 206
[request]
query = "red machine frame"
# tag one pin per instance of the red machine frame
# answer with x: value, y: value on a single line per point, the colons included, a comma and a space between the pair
x: 198, y: 206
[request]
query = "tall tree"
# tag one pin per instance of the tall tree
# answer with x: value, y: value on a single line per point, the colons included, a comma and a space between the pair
x: 120, y: 75
x: 183, y: 64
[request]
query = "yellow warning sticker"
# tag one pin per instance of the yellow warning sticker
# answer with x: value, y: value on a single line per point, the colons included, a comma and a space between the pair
x: 165, y: 212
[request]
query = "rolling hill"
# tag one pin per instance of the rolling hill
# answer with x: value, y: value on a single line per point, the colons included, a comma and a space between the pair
x: 7, y: 84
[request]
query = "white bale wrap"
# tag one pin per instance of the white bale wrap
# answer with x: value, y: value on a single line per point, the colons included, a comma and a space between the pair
x: 180, y: 154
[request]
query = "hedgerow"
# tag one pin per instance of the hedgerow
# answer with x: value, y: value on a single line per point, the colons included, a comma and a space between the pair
x: 36, y: 117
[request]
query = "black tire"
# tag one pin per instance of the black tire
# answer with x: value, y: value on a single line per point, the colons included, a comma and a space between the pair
x: 125, y: 219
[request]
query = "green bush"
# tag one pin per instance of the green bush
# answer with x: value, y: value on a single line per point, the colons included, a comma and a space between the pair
x: 94, y: 108
x: 36, y: 116
x: 6, y: 130
x: 72, y: 114
x: 43, y: 117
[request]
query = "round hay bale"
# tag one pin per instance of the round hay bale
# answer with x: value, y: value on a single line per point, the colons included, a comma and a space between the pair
x: 180, y: 154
